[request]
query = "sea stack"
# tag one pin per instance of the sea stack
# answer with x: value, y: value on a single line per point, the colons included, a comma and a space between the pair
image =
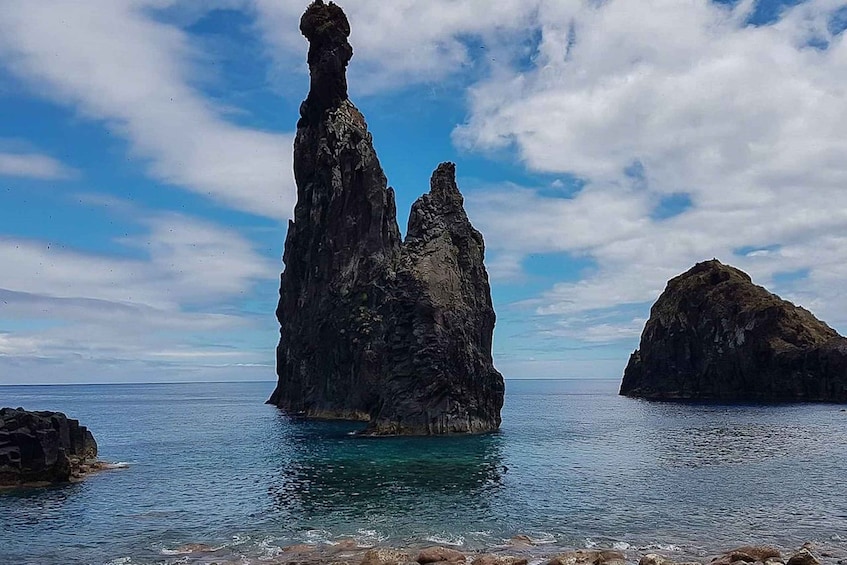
x: 373, y: 328
x: 714, y: 335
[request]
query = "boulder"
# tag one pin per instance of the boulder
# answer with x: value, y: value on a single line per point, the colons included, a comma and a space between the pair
x: 42, y: 447
x: 385, y: 556
x: 749, y: 554
x: 589, y: 557
x: 803, y: 557
x: 655, y: 559
x: 373, y: 328
x: 714, y: 335
x: 437, y: 554
x: 757, y: 553
x: 492, y: 559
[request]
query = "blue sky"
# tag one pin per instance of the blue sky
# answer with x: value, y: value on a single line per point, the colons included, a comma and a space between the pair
x: 603, y: 147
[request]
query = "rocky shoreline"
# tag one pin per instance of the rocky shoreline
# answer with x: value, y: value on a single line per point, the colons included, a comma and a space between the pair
x: 519, y: 551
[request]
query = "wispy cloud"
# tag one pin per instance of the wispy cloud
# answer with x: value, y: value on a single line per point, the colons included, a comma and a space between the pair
x: 34, y: 166
x: 114, y: 61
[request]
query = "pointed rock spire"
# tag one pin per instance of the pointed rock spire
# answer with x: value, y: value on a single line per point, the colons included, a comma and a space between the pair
x: 372, y: 329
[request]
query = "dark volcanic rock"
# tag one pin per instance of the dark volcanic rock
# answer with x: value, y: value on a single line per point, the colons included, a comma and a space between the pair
x: 372, y: 328
x: 714, y: 335
x: 439, y: 322
x: 327, y: 29
x: 42, y: 447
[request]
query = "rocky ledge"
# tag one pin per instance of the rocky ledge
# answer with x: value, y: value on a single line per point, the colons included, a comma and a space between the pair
x: 373, y: 328
x: 714, y: 335
x: 38, y: 448
x: 519, y: 552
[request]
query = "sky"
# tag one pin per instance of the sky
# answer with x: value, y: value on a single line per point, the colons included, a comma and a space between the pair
x: 603, y: 147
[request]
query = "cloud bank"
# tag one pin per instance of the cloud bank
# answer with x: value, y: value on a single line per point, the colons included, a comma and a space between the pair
x: 175, y: 305
x: 651, y: 101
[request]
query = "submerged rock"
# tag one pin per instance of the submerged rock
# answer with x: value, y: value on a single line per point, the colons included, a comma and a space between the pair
x: 373, y: 328
x: 714, y: 335
x: 42, y: 447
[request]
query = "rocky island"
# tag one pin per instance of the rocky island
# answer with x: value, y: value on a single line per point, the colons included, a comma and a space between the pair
x: 393, y: 332
x: 38, y: 448
x: 714, y: 335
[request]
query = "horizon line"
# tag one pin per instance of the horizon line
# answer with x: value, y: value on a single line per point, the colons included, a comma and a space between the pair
x: 135, y: 383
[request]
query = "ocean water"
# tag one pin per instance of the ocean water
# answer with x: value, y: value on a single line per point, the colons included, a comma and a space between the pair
x: 574, y: 465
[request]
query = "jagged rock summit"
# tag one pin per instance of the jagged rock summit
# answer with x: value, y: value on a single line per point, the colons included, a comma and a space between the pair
x: 395, y: 333
x: 714, y: 335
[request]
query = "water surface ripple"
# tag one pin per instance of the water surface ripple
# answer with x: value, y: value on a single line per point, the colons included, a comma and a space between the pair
x: 573, y: 464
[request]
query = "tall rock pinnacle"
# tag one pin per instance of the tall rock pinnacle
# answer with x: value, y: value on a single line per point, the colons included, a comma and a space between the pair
x: 394, y: 333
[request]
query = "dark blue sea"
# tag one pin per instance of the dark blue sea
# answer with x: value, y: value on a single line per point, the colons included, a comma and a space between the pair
x: 574, y: 465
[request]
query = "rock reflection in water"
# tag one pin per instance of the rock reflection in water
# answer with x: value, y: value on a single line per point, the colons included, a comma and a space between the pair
x: 329, y: 472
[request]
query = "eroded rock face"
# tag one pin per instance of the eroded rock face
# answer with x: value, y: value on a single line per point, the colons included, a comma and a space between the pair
x: 394, y: 333
x: 42, y: 447
x: 714, y: 335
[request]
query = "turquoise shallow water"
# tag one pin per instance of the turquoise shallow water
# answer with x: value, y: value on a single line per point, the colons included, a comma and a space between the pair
x: 573, y: 465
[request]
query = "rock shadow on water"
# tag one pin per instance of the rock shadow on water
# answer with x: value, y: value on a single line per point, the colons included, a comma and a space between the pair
x: 328, y: 470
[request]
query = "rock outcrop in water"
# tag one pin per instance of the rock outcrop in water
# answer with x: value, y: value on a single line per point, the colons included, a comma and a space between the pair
x: 714, y: 335
x: 373, y: 328
x: 42, y: 447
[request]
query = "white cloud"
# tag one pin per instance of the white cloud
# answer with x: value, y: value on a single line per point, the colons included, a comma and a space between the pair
x: 177, y: 304
x: 404, y: 42
x: 746, y: 121
x: 113, y: 61
x: 565, y: 368
x: 33, y: 165
x: 596, y: 328
x: 76, y: 370
x: 190, y: 261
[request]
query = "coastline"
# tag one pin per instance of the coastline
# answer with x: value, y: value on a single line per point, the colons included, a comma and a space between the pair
x: 520, y: 550
x: 573, y: 465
